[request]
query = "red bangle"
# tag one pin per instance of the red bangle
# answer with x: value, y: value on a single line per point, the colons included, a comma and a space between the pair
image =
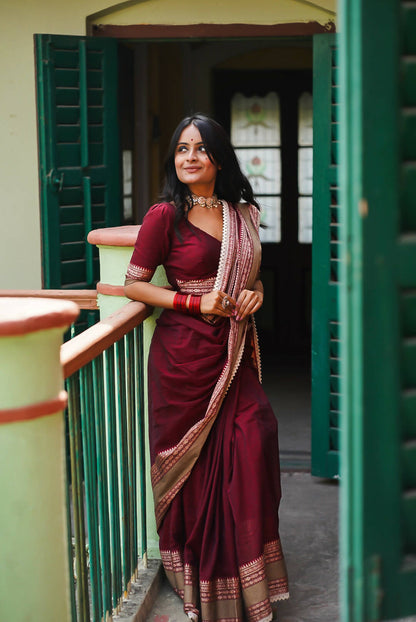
x: 179, y: 302
x: 195, y: 305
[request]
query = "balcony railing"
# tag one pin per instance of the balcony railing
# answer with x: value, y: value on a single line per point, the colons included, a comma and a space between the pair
x: 110, y: 531
x: 106, y: 455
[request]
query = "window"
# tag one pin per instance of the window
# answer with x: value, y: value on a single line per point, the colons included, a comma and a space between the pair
x: 127, y: 186
x: 305, y: 168
x: 255, y: 134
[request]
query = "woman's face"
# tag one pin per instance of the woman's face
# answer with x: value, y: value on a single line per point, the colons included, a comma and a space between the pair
x: 192, y: 164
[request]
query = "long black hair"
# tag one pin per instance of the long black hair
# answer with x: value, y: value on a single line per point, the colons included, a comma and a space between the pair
x: 230, y: 183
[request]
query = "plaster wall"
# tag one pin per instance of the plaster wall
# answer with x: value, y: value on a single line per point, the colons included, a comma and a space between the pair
x: 217, y: 12
x: 20, y: 251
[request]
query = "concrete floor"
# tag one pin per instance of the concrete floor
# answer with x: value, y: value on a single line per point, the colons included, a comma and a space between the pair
x: 289, y: 392
x: 308, y: 517
x: 309, y: 533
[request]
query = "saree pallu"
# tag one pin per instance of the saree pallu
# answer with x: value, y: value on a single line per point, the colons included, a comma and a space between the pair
x: 214, y: 449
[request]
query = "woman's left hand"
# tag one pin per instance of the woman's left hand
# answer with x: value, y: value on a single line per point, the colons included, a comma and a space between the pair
x: 248, y: 302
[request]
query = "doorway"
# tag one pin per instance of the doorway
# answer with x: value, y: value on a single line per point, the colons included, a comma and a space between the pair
x: 159, y: 84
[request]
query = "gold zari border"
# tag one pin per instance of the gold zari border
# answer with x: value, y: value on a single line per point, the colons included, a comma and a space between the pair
x: 260, y: 583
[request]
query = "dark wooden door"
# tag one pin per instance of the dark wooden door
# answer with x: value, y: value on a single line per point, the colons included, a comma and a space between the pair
x: 286, y: 266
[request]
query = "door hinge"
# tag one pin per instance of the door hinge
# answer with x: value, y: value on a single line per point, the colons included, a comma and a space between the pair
x: 55, y: 180
x: 374, y: 590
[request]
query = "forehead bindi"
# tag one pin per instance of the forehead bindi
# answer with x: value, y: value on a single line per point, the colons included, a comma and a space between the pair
x: 190, y: 135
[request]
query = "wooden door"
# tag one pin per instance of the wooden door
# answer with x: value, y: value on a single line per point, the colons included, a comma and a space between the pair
x: 378, y: 309
x: 79, y: 153
x: 325, y: 261
x: 284, y: 320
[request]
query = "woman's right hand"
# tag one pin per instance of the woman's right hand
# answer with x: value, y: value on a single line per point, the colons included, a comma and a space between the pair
x: 216, y: 303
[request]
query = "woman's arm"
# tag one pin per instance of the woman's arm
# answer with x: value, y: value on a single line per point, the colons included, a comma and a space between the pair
x: 162, y: 297
x: 149, y: 294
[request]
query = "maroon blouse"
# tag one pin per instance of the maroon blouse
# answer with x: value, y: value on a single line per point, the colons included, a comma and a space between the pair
x: 194, y: 257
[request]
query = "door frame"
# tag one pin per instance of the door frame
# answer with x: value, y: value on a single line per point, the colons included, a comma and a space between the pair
x: 207, y: 31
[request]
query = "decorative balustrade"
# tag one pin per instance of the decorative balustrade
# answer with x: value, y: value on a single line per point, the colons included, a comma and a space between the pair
x: 107, y: 500
x: 107, y: 483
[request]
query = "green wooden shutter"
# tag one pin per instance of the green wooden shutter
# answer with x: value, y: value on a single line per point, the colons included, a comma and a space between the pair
x: 378, y: 310
x: 325, y: 260
x: 78, y: 153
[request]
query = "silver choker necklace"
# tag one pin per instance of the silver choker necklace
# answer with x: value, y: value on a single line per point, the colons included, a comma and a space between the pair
x: 208, y: 202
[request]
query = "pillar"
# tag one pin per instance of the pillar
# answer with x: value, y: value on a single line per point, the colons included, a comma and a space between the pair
x: 115, y: 246
x: 34, y: 577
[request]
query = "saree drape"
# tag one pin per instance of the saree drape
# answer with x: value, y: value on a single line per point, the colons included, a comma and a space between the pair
x: 213, y: 435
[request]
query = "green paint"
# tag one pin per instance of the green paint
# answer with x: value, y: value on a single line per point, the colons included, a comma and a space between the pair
x: 114, y: 261
x: 325, y: 261
x: 30, y: 369
x: 110, y: 304
x: 33, y: 519
x: 149, y: 326
x: 378, y: 513
x: 34, y: 579
x: 79, y: 152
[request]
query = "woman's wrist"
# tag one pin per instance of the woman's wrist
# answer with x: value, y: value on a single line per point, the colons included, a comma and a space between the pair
x: 187, y: 303
x: 258, y: 288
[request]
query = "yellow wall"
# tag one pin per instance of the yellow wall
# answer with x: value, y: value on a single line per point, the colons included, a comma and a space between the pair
x: 218, y: 11
x: 20, y: 260
x: 20, y: 254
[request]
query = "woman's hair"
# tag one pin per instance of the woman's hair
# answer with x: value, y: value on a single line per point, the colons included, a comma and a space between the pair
x: 230, y: 183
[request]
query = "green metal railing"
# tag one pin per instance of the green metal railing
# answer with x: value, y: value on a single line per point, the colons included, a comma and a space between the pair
x: 106, y: 474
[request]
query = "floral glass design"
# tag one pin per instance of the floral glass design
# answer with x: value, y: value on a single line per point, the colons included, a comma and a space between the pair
x: 255, y: 134
x: 305, y: 168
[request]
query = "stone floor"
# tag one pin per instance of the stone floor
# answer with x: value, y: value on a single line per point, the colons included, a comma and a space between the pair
x: 308, y: 517
x: 289, y: 391
x: 309, y: 533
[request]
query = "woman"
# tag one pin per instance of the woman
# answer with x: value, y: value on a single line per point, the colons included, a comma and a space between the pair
x: 213, y: 435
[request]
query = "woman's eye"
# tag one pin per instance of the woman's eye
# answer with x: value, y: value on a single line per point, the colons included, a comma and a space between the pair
x: 202, y: 148
x: 181, y: 148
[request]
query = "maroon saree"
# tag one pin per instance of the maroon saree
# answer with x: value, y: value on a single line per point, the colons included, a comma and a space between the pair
x: 213, y: 435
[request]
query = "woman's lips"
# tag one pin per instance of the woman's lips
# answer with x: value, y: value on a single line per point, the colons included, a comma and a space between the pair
x: 192, y: 169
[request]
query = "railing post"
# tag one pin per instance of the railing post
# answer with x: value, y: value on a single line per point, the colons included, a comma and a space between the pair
x: 115, y: 245
x: 34, y: 581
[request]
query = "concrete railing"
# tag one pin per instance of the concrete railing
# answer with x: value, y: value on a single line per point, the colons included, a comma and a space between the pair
x: 35, y: 517
x: 34, y: 579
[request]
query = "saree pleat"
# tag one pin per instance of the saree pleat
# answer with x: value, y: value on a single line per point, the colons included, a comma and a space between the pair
x: 220, y: 540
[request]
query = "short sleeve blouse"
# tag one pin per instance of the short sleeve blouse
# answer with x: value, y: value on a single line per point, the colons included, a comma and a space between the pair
x: 194, y: 254
x: 153, y: 242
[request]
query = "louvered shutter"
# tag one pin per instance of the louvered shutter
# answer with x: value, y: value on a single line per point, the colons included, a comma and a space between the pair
x: 325, y: 260
x: 78, y: 153
x: 378, y: 310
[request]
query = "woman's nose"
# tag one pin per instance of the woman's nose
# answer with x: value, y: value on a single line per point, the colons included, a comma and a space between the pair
x: 192, y: 153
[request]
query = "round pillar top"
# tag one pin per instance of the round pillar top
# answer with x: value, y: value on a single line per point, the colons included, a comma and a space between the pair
x: 19, y: 316
x: 114, y: 236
